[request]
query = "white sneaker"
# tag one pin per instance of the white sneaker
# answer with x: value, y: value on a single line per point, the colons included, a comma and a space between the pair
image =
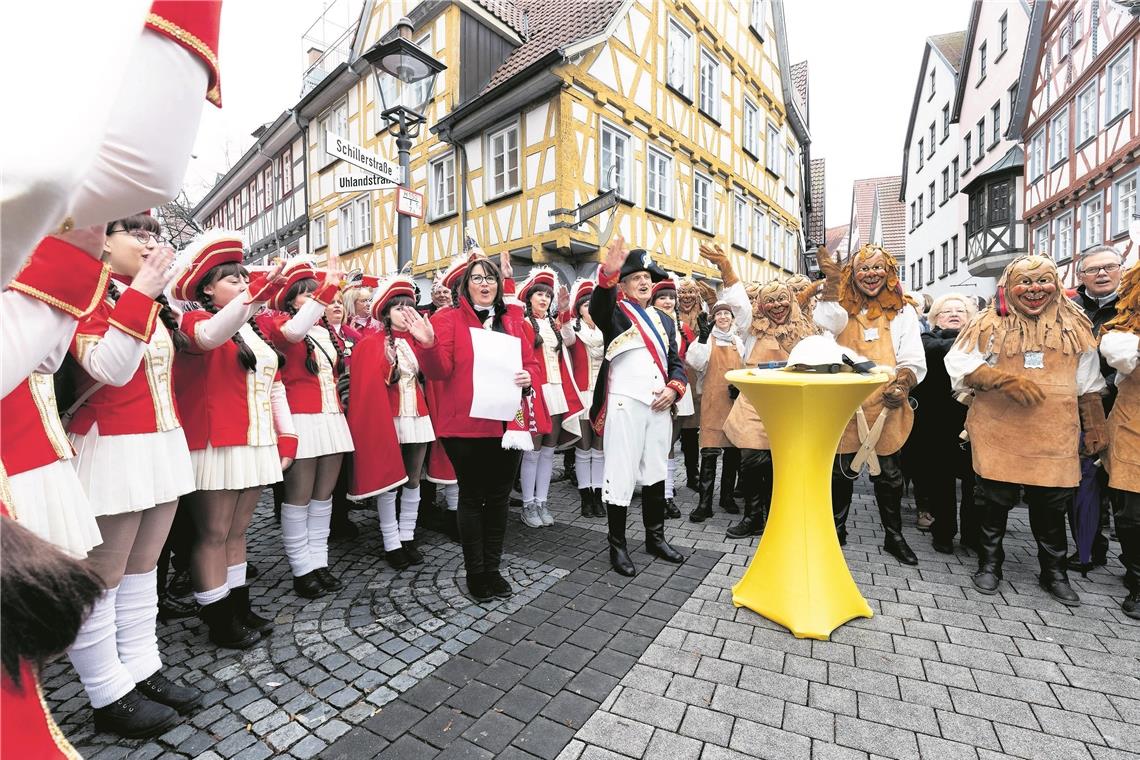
x: 530, y: 515
x: 544, y: 513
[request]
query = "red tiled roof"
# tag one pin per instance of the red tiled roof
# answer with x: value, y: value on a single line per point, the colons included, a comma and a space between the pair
x: 552, y: 24
x: 817, y: 219
x: 506, y: 11
x: 834, y: 236
x: 951, y: 46
x: 863, y: 206
x: 892, y: 217
x: 799, y: 73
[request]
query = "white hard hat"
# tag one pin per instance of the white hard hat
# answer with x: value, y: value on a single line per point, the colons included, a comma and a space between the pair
x: 820, y: 353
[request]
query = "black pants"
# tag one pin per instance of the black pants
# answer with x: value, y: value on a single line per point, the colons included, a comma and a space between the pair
x: 843, y: 487
x: 1126, y: 514
x: 486, y: 472
x: 940, y: 483
x: 1047, y: 509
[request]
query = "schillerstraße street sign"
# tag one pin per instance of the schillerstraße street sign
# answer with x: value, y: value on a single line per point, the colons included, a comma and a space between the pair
x: 592, y: 208
x: 341, y: 148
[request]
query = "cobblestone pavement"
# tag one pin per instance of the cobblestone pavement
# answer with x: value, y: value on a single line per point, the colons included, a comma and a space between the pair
x: 586, y: 665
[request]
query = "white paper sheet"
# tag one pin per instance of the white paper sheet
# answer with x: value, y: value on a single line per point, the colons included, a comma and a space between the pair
x: 497, y: 358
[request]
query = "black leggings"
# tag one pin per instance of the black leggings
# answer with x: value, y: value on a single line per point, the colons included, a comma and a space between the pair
x: 486, y: 472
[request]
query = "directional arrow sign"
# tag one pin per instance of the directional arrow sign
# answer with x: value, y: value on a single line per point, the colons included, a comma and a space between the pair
x: 354, y: 154
x: 351, y: 183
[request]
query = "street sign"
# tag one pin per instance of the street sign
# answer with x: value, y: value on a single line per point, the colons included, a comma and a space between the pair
x: 602, y: 203
x: 409, y: 202
x: 351, y: 183
x: 340, y: 148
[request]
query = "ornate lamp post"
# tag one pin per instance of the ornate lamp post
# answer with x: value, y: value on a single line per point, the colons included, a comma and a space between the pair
x: 405, y: 78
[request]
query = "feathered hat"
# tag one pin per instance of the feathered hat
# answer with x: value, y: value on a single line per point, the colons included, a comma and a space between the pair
x: 389, y: 288
x: 206, y: 251
x: 581, y: 288
x: 296, y: 269
x: 538, y: 276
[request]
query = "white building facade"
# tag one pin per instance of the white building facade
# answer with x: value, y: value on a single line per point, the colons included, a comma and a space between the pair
x: 935, y: 207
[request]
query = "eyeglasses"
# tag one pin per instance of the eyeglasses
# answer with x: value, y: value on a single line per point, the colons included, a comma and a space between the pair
x: 1107, y: 269
x: 481, y: 279
x: 142, y: 236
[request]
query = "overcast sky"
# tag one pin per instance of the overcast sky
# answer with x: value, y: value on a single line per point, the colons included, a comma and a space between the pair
x: 863, y: 59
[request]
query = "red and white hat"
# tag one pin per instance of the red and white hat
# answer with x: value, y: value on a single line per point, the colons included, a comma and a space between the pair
x: 667, y: 284
x: 538, y: 276
x: 208, y: 250
x: 296, y: 269
x: 389, y: 288
x: 582, y: 288
x: 458, y: 268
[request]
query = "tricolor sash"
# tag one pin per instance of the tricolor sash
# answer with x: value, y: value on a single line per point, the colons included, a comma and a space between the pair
x: 653, y: 340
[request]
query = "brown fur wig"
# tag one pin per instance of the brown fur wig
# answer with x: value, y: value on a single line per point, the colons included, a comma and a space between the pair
x: 889, y: 301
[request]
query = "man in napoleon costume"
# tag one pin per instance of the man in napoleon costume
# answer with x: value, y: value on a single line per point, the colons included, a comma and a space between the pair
x: 640, y: 379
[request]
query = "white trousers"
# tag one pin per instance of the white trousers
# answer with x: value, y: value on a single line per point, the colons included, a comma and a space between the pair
x: 636, y: 446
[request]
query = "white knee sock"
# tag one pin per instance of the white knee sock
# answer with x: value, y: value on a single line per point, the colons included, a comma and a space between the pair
x: 542, y: 476
x: 235, y: 576
x: 136, y: 617
x: 582, y: 462
x: 409, y: 509
x: 671, y: 472
x: 598, y: 467
x: 95, y: 656
x: 529, y: 475
x: 320, y: 517
x: 451, y: 496
x: 295, y: 535
x: 213, y: 595
x: 389, y: 528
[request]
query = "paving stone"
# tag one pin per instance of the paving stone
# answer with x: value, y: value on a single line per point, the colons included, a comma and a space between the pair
x: 934, y: 747
x: 977, y: 732
x: 441, y: 726
x: 523, y: 703
x: 569, y: 709
x: 544, y: 738
x: 650, y: 708
x: 475, y: 698
x: 987, y: 706
x: 613, y: 732
x: 707, y: 725
x: 1033, y: 744
x: 591, y: 684
x: 761, y: 741
x: 673, y: 747
x: 408, y: 746
x: 876, y: 738
x: 394, y: 719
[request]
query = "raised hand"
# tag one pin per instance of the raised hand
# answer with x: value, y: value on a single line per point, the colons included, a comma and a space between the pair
x: 563, y: 299
x: 504, y: 263
x: 276, y: 275
x: 831, y: 272
x: 616, y: 255
x: 155, y: 273
x: 713, y: 254
x: 421, y: 329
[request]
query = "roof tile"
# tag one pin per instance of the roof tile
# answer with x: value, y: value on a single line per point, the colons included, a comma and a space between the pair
x: 892, y: 216
x: 951, y: 46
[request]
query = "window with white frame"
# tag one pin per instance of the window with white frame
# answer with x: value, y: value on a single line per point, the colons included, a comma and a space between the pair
x: 945, y: 121
x: 1063, y: 237
x: 945, y: 257
x: 1003, y: 32
x: 954, y: 174
x: 932, y: 83
x: 710, y: 84
x: 919, y: 211
x: 791, y: 251
x: 954, y: 254
x: 1118, y: 85
x: 931, y: 136
x: 913, y: 218
x: 1012, y: 93
x: 614, y: 171
x: 1041, y: 240
x: 775, y: 154
x: 995, y: 127
x: 680, y: 73
x: 503, y: 160
x: 1123, y: 204
x: 945, y: 184
x: 930, y: 210
x: 741, y: 221
x: 318, y: 232
x: 442, y: 192
x: 419, y: 90
x: 702, y: 202
x: 1078, y: 28
x: 981, y: 137
x: 659, y: 181
x: 750, y: 128
x: 1037, y: 156
x: 930, y: 267
x: 355, y: 223
x: 759, y: 226
x: 1065, y: 44
x: 912, y: 271
x: 921, y: 153
x: 1092, y: 222
x: 967, y: 142
x: 1059, y: 144
x: 1087, y: 107
x: 981, y: 62
x: 335, y: 121
x: 775, y: 239
x: 756, y: 18
x: 790, y: 169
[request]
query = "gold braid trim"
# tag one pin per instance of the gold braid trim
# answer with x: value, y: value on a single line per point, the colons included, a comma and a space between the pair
x: 192, y: 41
x: 1127, y: 317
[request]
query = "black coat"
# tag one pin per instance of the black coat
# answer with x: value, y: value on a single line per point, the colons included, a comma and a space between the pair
x: 612, y: 321
x: 1099, y: 315
x: 938, y: 417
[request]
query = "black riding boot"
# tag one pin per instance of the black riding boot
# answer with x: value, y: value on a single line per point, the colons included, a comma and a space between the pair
x: 653, y: 518
x: 708, y: 482
x: 690, y: 449
x: 619, y: 555
x: 992, y: 517
x: 756, y: 477
x: 1047, y: 510
x: 889, y: 499
x: 842, y: 489
x: 728, y: 473
x: 1129, y: 538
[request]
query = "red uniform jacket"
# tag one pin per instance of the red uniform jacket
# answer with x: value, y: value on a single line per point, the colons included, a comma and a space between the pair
x: 26, y: 441
x: 451, y: 361
x: 377, y: 465
x: 302, y: 386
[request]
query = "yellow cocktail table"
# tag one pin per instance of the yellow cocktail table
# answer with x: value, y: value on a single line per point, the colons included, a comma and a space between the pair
x: 798, y: 576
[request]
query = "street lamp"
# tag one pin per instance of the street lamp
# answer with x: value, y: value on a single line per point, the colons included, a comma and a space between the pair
x: 405, y: 78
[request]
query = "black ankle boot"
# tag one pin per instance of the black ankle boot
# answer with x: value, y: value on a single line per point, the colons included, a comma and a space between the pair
x: 159, y: 688
x: 671, y: 511
x: 252, y: 620
x: 756, y: 480
x: 133, y: 716
x: 619, y: 555
x: 398, y: 558
x: 587, y: 496
x: 708, y: 482
x: 599, y: 505
x: 728, y: 472
x: 413, y: 551
x: 226, y: 630
x: 497, y: 585
x: 478, y: 588
x: 890, y: 513
x: 653, y: 518
x: 308, y: 585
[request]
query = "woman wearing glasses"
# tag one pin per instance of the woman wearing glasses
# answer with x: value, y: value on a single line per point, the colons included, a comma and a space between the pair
x: 475, y: 445
x: 134, y: 463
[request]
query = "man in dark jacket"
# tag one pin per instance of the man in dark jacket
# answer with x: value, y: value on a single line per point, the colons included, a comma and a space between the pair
x: 1099, y: 270
x: 641, y: 377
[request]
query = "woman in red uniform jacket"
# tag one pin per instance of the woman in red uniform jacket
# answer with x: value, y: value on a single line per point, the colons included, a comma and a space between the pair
x: 485, y: 468
x: 133, y: 461
x: 665, y: 298
x: 586, y: 346
x: 236, y: 420
x: 312, y: 363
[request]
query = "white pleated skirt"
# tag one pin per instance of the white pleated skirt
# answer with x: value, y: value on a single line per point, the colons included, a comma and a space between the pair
x: 130, y: 473
x: 587, y: 397
x: 555, y: 399
x: 233, y: 468
x: 685, y: 406
x: 319, y: 435
x: 50, y: 502
x: 411, y: 429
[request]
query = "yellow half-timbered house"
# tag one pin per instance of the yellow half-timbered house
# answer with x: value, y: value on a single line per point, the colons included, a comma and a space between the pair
x: 688, y: 109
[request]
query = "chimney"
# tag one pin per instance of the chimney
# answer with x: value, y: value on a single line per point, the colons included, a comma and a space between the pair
x: 314, y: 54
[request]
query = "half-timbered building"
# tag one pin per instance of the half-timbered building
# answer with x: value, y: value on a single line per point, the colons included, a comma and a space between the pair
x: 1077, y: 116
